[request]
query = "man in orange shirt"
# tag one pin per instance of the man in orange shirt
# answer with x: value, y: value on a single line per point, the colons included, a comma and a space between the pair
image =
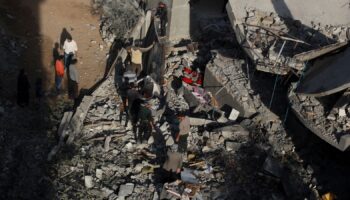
x: 59, y: 69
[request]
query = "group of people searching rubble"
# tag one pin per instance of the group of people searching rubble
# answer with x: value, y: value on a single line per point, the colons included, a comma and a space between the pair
x: 137, y: 90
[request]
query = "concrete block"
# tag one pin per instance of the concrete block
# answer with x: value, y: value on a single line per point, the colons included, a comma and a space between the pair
x: 89, y: 182
x: 344, y: 142
x: 126, y: 190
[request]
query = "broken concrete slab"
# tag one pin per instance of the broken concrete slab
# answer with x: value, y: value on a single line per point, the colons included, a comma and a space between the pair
x: 327, y: 76
x: 126, y: 189
x: 199, y: 122
x: 78, y: 118
x: 308, y: 12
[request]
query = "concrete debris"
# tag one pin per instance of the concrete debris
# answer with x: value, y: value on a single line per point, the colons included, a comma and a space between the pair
x: 327, y: 122
x: 126, y: 190
x: 89, y: 182
x: 236, y: 147
x: 275, y: 43
x: 118, y: 17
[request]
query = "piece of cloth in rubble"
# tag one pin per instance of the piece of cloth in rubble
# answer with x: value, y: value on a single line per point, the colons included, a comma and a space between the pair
x: 184, y: 126
x: 73, y: 73
x: 173, y: 161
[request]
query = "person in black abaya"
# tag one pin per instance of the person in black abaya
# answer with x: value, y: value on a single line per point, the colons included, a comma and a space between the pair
x: 23, y: 87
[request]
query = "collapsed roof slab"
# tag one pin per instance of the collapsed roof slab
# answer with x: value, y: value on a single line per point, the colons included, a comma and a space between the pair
x: 327, y: 76
x: 334, y: 12
x: 263, y: 33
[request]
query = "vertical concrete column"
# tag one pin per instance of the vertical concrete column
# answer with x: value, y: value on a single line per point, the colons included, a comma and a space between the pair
x: 179, y: 20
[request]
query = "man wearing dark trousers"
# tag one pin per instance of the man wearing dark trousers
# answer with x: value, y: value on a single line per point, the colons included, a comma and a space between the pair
x: 162, y: 13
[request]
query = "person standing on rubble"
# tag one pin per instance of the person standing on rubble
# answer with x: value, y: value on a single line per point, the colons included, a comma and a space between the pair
x: 135, y: 54
x: 162, y: 13
x: 133, y: 103
x: 146, y: 122
x: 73, y: 80
x: 184, y: 130
x: 172, y: 166
x: 123, y: 89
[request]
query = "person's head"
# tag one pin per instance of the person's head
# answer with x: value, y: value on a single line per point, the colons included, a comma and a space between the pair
x: 132, y: 85
x: 56, y: 45
x: 181, y: 115
x: 161, y: 5
x: 69, y: 38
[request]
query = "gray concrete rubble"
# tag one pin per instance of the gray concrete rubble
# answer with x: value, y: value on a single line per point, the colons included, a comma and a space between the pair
x: 278, y: 43
x: 117, y: 18
x: 280, y: 38
x: 237, y: 148
x: 110, y: 163
x: 329, y: 122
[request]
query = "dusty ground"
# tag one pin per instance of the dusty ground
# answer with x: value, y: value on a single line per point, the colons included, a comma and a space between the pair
x: 39, y: 23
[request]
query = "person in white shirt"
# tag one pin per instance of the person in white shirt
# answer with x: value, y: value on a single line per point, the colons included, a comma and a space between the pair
x: 70, y: 49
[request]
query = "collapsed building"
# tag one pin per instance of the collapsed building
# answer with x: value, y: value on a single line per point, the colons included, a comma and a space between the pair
x: 284, y: 38
x: 238, y: 150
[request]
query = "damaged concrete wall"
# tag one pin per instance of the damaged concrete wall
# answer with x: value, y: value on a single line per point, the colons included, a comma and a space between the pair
x: 180, y: 20
x: 328, y: 76
x: 335, y: 12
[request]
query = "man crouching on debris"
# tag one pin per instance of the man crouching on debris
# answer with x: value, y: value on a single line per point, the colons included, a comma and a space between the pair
x: 184, y: 130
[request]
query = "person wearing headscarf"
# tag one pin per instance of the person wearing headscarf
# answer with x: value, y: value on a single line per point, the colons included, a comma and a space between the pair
x: 73, y: 81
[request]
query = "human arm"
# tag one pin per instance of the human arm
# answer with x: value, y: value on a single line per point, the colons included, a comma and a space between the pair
x: 146, y: 49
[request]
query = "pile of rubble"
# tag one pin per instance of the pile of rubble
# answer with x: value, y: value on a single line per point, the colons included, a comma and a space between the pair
x: 239, y: 159
x: 329, y: 121
x: 279, y: 44
x: 118, y: 17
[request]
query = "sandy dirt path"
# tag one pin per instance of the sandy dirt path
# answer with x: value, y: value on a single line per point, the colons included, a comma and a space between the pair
x: 40, y: 22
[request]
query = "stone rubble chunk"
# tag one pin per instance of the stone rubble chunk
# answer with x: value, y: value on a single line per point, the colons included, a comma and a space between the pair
x: 89, y: 182
x: 126, y: 190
